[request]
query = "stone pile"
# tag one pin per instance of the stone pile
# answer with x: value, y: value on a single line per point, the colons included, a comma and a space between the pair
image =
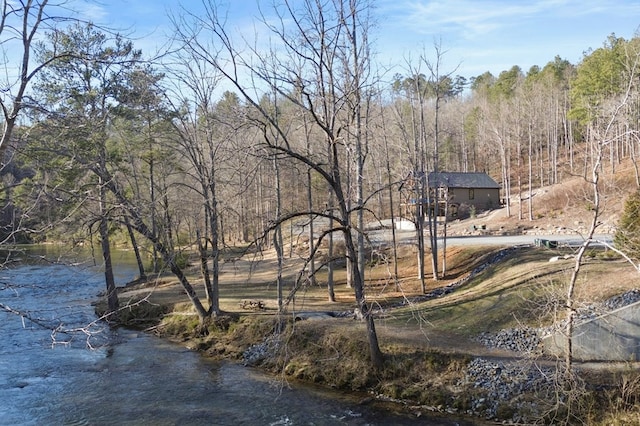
x: 525, y: 339
x: 501, y: 388
x: 622, y: 300
x: 261, y: 351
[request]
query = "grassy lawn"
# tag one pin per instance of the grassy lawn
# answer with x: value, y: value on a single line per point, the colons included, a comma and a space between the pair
x: 523, y: 288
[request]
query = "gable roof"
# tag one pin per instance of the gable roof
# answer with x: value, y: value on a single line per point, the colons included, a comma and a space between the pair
x: 462, y: 180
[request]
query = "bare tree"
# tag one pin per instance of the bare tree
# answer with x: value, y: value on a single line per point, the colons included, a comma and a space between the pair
x: 440, y: 85
x: 427, y: 95
x: 21, y: 22
x: 310, y: 34
x: 201, y: 138
x: 391, y: 187
x: 22, y: 25
x: 413, y: 130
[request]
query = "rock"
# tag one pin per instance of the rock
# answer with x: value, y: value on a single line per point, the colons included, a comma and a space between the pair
x: 261, y: 351
x: 622, y: 300
x: 524, y: 339
x: 498, y: 383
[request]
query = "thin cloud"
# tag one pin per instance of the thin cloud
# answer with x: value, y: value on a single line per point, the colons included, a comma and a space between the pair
x: 91, y: 11
x: 469, y: 19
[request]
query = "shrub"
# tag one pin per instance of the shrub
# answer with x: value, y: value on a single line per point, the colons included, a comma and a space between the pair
x: 627, y: 237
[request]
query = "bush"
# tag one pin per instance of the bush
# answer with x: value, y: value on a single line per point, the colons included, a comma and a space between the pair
x: 181, y: 259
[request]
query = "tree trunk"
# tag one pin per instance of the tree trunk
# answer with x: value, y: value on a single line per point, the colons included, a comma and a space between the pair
x: 420, y: 204
x: 154, y: 213
x: 112, y: 294
x: 330, y: 264
x: 444, y: 233
x: 311, y: 273
x: 432, y: 219
x: 348, y: 259
x: 330, y: 253
x: 390, y: 189
x: 136, y: 250
x: 530, y: 166
x: 377, y: 359
x: 277, y: 235
x: 360, y: 142
x: 433, y: 230
x: 169, y: 259
x: 595, y: 177
x: 420, y: 241
x: 204, y: 268
x: 213, y: 294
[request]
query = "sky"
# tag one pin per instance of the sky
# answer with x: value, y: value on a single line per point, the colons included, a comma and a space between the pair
x: 476, y: 36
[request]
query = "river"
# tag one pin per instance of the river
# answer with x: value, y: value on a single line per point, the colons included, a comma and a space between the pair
x: 85, y: 373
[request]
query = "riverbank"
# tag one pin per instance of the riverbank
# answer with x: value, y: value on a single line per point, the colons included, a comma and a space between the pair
x: 434, y: 361
x: 67, y: 368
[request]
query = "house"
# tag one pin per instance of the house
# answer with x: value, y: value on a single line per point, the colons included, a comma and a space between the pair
x: 473, y: 190
x: 460, y: 194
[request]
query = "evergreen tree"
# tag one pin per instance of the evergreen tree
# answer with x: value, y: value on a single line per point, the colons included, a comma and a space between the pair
x: 627, y: 237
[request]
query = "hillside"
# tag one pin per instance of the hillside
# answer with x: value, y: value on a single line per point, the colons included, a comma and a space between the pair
x: 561, y: 208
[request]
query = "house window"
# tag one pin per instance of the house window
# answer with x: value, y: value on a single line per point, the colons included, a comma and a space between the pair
x: 471, y: 194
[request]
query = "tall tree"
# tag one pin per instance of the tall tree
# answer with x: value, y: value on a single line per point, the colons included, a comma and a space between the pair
x: 426, y: 96
x: 441, y: 87
x: 307, y: 34
x: 201, y: 138
x: 356, y: 57
x: 142, y: 130
x: 81, y: 94
x: 23, y: 25
x: 412, y: 122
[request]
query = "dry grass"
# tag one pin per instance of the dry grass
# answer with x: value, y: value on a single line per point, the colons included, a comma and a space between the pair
x: 426, y: 343
x: 253, y: 276
x: 524, y: 288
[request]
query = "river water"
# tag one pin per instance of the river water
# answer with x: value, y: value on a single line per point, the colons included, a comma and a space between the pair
x: 83, y: 373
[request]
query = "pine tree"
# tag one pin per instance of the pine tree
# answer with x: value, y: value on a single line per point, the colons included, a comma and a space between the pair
x: 627, y: 237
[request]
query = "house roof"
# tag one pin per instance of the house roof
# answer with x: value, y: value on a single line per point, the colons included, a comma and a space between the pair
x: 462, y: 180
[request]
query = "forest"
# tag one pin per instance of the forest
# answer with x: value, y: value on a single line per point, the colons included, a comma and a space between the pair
x: 217, y: 143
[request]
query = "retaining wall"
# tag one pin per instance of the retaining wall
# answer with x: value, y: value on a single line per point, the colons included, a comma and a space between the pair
x: 614, y: 336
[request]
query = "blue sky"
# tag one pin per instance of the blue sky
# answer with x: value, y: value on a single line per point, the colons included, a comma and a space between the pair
x: 477, y: 35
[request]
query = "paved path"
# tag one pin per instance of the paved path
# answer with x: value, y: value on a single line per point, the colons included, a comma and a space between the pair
x: 517, y: 240
x: 494, y: 240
